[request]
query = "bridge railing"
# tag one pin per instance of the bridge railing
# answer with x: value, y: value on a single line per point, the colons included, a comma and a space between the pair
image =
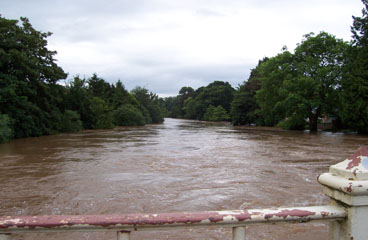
x: 346, y: 184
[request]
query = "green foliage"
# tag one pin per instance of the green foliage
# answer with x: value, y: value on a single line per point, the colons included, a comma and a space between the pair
x: 78, y: 99
x: 354, y: 85
x: 176, y: 105
x: 128, y: 115
x: 121, y: 96
x: 318, y: 66
x: 101, y: 115
x: 244, y: 106
x: 71, y: 122
x: 149, y: 105
x: 216, y: 114
x: 28, y: 76
x: 33, y: 104
x: 304, y: 84
x: 193, y: 104
x: 6, y: 132
x: 99, y: 88
x: 272, y: 74
x: 295, y: 122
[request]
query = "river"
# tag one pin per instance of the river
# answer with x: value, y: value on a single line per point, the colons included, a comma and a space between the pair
x: 181, y: 165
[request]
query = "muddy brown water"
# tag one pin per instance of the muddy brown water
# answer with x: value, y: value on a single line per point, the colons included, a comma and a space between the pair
x: 180, y: 165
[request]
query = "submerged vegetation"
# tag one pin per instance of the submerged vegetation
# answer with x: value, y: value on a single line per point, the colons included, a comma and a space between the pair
x: 323, y: 79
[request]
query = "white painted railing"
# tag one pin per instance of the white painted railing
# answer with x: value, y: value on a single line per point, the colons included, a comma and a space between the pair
x: 346, y: 184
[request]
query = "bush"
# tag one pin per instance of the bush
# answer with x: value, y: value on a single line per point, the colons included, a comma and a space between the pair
x: 295, y: 122
x: 71, y: 122
x: 128, y: 115
x: 6, y: 132
x: 101, y: 114
x: 216, y: 114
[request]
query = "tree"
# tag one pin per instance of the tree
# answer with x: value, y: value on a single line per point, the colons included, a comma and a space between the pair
x: 78, y: 99
x: 28, y: 75
x: 216, y: 93
x: 101, y: 114
x: 128, y: 115
x: 272, y: 74
x: 244, y: 106
x: 354, y: 85
x: 216, y: 114
x: 184, y: 93
x: 121, y: 96
x: 98, y: 87
x: 317, y: 64
x: 149, y: 103
x: 6, y: 132
x: 71, y: 122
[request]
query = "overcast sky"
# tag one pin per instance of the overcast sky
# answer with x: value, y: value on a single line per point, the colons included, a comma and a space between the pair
x: 164, y: 45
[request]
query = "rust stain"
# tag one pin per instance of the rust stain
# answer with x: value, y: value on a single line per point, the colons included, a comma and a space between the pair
x: 349, y: 188
x: 355, y: 158
x: 355, y: 172
x: 325, y: 214
x: 292, y: 213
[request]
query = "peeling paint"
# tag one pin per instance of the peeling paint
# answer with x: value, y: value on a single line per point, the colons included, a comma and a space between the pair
x: 325, y: 214
x: 349, y: 188
x: 292, y: 213
x: 355, y: 159
x: 9, y: 224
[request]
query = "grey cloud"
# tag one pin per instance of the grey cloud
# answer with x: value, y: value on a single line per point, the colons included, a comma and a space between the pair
x: 168, y: 81
x: 116, y: 39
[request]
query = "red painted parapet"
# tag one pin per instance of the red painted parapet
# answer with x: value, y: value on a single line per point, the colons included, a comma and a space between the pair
x: 346, y: 184
x: 131, y: 222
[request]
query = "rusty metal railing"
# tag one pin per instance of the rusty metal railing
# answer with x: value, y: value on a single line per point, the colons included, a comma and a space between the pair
x: 126, y: 223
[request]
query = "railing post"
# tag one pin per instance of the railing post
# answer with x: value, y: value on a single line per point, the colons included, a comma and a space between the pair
x: 347, y: 186
x: 123, y: 235
x: 238, y: 233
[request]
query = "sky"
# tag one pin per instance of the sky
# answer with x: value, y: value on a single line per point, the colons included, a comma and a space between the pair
x: 163, y: 45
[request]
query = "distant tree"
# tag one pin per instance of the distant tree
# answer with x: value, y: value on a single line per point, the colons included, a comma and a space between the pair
x: 294, y: 122
x: 98, y: 87
x: 271, y: 75
x: 184, y: 94
x: 121, y: 96
x: 28, y: 75
x: 6, y: 132
x: 317, y: 64
x: 216, y: 114
x: 171, y: 107
x: 149, y: 104
x: 78, y: 99
x: 128, y: 115
x: 101, y: 114
x: 71, y: 122
x: 216, y: 93
x: 244, y: 106
x: 302, y: 85
x: 354, y: 85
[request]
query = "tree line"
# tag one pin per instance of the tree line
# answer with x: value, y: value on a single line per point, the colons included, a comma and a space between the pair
x: 32, y: 103
x: 323, y: 78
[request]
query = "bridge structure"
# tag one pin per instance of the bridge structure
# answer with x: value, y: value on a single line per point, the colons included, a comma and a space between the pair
x: 346, y: 184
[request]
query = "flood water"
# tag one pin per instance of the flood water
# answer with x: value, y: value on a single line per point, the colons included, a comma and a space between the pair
x: 180, y: 165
